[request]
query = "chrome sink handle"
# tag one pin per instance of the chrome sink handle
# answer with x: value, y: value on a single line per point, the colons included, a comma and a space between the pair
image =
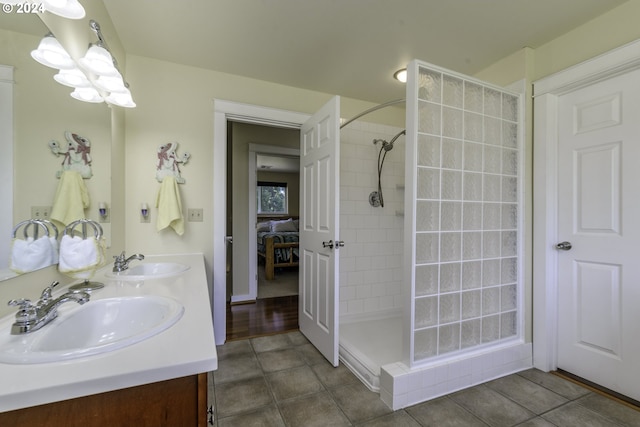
x: 22, y: 302
x: 46, y: 293
x: 27, y: 311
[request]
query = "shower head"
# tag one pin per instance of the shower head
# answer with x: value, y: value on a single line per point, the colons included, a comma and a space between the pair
x: 403, y: 132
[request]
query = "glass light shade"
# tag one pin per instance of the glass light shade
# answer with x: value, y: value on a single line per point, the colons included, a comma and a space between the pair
x: 87, y: 94
x: 73, y: 78
x: 401, y: 75
x: 51, y: 53
x: 70, y: 9
x: 113, y: 84
x: 122, y: 99
x: 98, y: 60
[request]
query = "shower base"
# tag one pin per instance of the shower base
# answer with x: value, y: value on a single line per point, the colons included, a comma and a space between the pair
x: 368, y: 344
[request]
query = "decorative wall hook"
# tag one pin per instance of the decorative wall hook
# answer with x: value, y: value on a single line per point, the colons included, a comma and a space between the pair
x: 169, y: 162
x: 76, y: 152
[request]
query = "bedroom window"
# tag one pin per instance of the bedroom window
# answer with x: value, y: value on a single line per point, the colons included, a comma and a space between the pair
x: 272, y: 197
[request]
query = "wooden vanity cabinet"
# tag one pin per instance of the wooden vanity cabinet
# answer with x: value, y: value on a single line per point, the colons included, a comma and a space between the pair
x: 171, y: 403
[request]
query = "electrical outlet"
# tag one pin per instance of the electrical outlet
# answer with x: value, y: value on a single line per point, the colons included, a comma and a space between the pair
x: 194, y: 215
x: 40, y: 212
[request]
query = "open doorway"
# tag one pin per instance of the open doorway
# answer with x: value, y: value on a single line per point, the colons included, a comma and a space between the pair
x: 262, y: 191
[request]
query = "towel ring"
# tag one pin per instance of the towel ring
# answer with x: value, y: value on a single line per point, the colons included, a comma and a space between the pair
x: 36, y: 223
x: 50, y: 225
x: 97, y: 228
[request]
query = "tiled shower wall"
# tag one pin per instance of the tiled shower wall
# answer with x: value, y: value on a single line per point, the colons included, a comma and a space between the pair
x: 371, y: 262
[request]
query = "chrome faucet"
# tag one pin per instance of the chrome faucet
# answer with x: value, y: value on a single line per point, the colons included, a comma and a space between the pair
x: 31, y: 317
x: 121, y: 263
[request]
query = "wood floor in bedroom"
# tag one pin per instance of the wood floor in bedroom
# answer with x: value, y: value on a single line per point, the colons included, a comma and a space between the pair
x: 264, y: 317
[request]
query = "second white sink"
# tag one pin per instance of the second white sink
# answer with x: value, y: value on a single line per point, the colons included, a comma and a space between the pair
x: 96, y: 327
x: 150, y: 270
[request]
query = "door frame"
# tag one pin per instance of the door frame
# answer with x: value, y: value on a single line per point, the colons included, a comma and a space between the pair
x: 6, y: 163
x: 546, y: 93
x: 246, y: 113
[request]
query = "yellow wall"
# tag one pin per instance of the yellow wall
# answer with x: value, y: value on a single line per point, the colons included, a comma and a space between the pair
x: 608, y: 31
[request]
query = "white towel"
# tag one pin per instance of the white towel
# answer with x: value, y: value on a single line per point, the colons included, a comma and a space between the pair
x: 55, y: 249
x: 71, y: 198
x: 80, y: 258
x: 29, y: 254
x: 169, y: 206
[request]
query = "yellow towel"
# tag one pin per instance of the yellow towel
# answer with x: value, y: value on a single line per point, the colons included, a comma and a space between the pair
x: 170, y: 206
x: 71, y: 198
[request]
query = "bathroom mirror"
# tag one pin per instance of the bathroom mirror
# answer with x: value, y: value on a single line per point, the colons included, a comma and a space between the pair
x: 43, y: 110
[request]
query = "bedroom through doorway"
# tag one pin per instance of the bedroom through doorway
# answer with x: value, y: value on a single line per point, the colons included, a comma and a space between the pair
x: 263, y: 188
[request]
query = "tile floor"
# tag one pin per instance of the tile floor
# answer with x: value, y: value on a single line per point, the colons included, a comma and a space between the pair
x: 282, y: 380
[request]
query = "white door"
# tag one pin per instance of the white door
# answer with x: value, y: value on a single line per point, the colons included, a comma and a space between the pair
x: 599, y: 216
x: 319, y: 209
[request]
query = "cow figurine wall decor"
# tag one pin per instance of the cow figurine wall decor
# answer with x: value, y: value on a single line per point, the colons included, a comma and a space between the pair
x: 169, y: 162
x: 76, y: 152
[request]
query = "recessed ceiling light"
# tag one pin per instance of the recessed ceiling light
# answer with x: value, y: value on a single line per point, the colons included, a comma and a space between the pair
x: 401, y: 75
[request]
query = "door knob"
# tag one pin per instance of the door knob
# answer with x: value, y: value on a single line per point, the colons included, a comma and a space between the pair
x: 339, y: 243
x: 328, y: 244
x: 563, y: 246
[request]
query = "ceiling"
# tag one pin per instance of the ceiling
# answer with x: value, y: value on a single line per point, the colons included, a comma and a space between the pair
x: 345, y: 47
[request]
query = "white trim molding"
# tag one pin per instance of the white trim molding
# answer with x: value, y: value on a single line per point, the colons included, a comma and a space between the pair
x: 245, y: 113
x: 545, y: 184
x: 6, y: 164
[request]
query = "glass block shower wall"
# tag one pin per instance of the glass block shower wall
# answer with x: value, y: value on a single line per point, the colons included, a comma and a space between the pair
x: 466, y: 215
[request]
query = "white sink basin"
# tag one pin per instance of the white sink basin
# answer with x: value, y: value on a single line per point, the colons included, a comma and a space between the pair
x: 96, y: 327
x: 150, y: 270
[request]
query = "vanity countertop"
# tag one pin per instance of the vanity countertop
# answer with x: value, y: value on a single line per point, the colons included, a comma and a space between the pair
x: 186, y: 348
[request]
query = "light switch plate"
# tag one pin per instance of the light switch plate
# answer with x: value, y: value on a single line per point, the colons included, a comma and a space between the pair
x: 40, y: 212
x: 194, y: 215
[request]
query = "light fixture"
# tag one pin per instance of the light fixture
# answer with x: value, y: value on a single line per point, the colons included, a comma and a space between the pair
x: 70, y: 9
x: 111, y: 83
x: 401, y: 75
x: 99, y: 61
x: 87, y: 94
x: 51, y: 53
x: 121, y: 99
x: 99, y: 79
x: 73, y: 78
